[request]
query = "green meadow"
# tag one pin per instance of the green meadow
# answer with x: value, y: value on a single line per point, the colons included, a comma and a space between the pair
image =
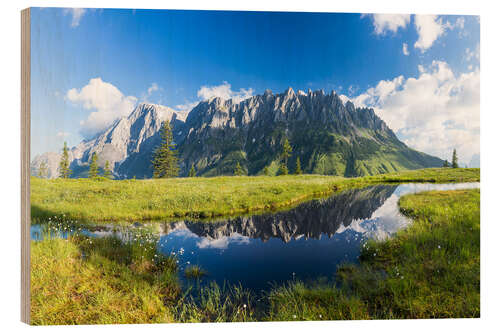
x: 428, y: 270
x: 122, y: 201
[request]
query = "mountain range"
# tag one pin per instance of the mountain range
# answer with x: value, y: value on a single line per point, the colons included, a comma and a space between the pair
x: 327, y: 135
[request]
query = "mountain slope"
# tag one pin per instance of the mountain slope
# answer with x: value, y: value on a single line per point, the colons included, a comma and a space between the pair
x: 126, y: 144
x: 328, y: 136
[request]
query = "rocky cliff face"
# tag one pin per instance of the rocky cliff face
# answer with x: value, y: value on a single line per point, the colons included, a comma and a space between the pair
x: 327, y: 135
x: 126, y: 140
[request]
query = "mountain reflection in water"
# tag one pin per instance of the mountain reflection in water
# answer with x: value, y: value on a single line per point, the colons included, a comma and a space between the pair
x: 310, y: 220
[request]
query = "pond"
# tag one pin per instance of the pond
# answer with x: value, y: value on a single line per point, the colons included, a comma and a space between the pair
x: 306, y: 242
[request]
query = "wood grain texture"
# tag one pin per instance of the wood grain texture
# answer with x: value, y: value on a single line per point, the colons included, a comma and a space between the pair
x: 25, y: 161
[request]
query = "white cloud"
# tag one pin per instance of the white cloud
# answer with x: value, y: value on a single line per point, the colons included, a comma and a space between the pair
x: 222, y: 243
x: 145, y: 97
x: 378, y: 94
x: 108, y: 102
x: 405, y: 49
x: 352, y: 89
x: 224, y: 91
x: 472, y: 54
x: 76, y: 14
x: 344, y: 98
x: 389, y: 22
x: 434, y: 112
x: 429, y: 28
x: 459, y: 25
x: 188, y: 106
x: 460, y: 22
x: 153, y: 88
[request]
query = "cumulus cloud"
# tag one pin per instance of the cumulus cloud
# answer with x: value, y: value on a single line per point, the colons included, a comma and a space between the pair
x: 108, y: 102
x: 76, y: 14
x: 434, y: 112
x: 344, y: 98
x: 379, y: 93
x: 224, y: 91
x: 429, y: 28
x: 384, y: 23
x: 405, y: 49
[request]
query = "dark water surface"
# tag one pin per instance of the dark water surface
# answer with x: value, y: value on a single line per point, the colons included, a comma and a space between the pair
x: 306, y: 242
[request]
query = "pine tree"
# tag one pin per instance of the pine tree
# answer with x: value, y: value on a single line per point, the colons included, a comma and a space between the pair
x: 283, y: 170
x: 298, y: 169
x: 43, y: 170
x: 94, y: 167
x: 107, y: 171
x: 454, y: 159
x: 192, y: 171
x: 446, y: 164
x: 64, y: 170
x: 165, y: 161
x: 287, y: 152
x: 238, y: 170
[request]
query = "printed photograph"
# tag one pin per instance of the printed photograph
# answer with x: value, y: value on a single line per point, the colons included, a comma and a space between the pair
x: 238, y: 166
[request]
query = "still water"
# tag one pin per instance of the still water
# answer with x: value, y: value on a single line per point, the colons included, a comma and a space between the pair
x: 306, y: 242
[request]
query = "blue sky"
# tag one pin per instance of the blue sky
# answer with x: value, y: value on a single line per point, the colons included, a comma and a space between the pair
x: 91, y: 66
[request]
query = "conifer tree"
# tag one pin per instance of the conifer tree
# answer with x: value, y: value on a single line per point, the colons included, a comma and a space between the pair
x: 454, y: 159
x: 64, y: 170
x: 94, y: 167
x: 446, y: 164
x: 287, y: 151
x: 283, y: 170
x: 238, y: 170
x: 298, y: 169
x: 165, y: 161
x: 192, y: 171
x: 43, y: 170
x: 107, y: 171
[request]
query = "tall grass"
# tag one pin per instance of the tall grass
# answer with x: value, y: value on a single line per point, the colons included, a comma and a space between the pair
x: 194, y: 272
x: 218, y: 304
x: 81, y: 280
x: 160, y: 199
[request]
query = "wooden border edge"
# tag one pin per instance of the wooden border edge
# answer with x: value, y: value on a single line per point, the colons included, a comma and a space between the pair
x: 25, y: 163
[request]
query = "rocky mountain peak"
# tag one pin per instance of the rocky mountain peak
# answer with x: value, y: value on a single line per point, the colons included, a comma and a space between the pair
x: 328, y: 135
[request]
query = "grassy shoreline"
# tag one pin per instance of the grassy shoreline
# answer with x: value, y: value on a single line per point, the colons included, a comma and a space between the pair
x: 165, y: 199
x: 429, y: 270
